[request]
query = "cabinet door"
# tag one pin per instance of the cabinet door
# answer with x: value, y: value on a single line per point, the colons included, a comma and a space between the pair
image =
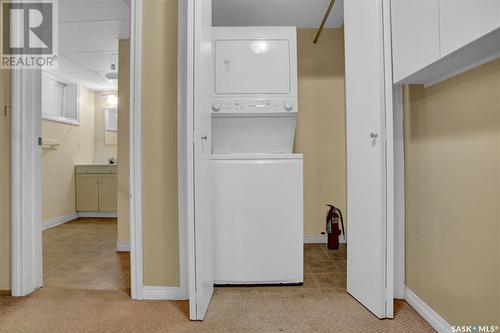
x: 462, y: 22
x: 87, y: 192
x: 108, y: 193
x: 415, y: 35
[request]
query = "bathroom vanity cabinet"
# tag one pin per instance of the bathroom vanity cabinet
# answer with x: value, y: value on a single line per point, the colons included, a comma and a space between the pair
x: 96, y: 188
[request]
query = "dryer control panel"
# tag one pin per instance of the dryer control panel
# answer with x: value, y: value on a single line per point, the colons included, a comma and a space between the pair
x: 281, y: 105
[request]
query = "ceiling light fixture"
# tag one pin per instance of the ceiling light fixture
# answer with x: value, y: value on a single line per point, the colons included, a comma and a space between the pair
x: 112, y: 100
x: 113, y: 75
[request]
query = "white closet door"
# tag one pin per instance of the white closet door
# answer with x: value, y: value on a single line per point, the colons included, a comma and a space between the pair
x: 200, y: 228
x: 367, y: 263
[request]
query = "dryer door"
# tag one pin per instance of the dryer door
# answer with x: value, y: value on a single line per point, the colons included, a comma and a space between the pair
x: 257, y: 66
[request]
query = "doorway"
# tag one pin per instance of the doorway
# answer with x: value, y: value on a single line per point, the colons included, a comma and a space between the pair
x: 78, y: 113
x: 80, y: 117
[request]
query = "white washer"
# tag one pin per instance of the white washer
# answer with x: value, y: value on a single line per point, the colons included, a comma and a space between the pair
x: 258, y: 218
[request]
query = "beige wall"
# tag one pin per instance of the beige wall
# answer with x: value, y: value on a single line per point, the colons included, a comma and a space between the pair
x: 123, y: 142
x: 159, y: 129
x: 452, y: 133
x: 4, y: 180
x: 105, y: 141
x: 76, y: 147
x: 320, y: 134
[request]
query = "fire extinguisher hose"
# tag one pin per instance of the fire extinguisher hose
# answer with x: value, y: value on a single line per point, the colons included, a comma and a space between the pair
x: 341, y: 221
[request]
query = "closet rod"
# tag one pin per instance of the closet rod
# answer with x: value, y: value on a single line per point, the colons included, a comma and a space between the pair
x: 320, y: 30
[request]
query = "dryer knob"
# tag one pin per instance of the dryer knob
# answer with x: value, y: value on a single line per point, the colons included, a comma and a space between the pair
x: 288, y: 106
x: 216, y: 106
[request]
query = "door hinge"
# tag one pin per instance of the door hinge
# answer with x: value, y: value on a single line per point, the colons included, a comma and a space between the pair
x: 384, y: 134
x: 40, y: 141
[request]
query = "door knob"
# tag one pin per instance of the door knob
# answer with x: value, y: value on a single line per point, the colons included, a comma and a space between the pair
x: 373, y: 135
x: 205, y: 137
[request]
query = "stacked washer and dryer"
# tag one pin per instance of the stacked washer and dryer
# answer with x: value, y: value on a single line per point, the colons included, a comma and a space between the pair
x: 257, y: 180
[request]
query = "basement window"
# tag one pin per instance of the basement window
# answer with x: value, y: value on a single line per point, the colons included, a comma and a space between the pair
x: 60, y: 100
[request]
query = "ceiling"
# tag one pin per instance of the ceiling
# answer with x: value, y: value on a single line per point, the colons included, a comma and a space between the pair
x: 89, y: 30
x: 88, y: 40
x: 299, y: 13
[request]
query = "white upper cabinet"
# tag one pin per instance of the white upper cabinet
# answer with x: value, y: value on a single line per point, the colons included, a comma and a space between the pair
x: 415, y: 35
x: 463, y: 21
x: 425, y: 33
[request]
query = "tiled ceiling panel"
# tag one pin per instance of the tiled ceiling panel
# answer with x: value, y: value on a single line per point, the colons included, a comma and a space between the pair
x: 89, y: 31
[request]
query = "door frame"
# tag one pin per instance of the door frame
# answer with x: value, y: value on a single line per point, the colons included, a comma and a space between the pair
x: 395, y: 163
x: 26, y: 236
x: 395, y: 181
x: 26, y: 224
x: 136, y: 236
x: 135, y: 146
x: 26, y: 250
x: 399, y: 255
x: 183, y: 105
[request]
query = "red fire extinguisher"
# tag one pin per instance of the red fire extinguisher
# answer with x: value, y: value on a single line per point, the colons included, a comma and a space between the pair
x: 333, y: 217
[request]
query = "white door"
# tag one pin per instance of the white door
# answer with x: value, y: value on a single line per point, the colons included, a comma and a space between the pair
x: 367, y: 250
x: 201, y: 277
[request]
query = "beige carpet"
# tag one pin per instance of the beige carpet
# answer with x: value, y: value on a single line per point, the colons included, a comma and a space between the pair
x: 320, y: 305
x: 272, y: 309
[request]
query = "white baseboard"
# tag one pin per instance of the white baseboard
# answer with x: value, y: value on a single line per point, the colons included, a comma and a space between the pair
x: 109, y: 215
x: 163, y: 293
x: 122, y: 247
x: 319, y: 239
x: 58, y: 220
x: 435, y: 320
x: 73, y: 216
